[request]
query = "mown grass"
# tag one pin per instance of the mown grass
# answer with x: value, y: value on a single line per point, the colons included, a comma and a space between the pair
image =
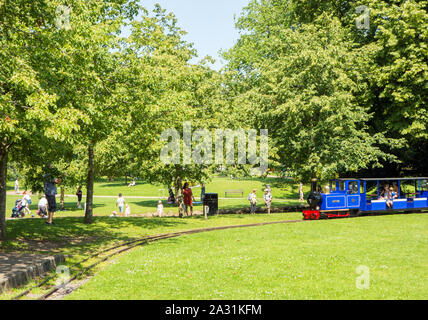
x: 70, y: 236
x: 310, y: 260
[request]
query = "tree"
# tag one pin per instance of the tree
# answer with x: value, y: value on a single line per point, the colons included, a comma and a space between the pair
x: 30, y: 44
x: 393, y: 41
x: 163, y: 92
x: 306, y: 84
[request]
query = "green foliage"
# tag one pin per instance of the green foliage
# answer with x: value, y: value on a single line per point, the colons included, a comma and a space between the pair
x: 335, y: 98
x: 307, y: 87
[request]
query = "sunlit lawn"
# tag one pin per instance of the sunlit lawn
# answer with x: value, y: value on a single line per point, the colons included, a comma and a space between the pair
x: 310, y: 260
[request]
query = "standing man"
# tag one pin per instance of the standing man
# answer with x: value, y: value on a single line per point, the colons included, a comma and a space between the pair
x: 16, y: 185
x: 188, y: 196
x: 50, y: 193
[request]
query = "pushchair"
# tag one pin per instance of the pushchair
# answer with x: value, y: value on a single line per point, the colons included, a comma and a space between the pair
x: 171, y: 198
x: 18, y: 209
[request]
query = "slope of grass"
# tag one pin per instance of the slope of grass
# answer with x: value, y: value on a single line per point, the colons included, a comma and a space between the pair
x: 315, y: 260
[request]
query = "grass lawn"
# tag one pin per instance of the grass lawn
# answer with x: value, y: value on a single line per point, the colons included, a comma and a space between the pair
x: 70, y: 236
x: 312, y: 260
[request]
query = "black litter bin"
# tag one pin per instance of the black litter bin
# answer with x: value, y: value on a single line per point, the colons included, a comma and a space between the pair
x: 211, y: 201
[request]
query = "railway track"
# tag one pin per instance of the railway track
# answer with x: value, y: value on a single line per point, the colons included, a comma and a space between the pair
x: 108, y: 253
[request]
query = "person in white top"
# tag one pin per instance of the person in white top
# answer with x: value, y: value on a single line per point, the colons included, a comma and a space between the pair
x: 160, y: 208
x: 17, y: 185
x: 127, y: 210
x: 43, y: 207
x: 252, y: 197
x: 26, y: 201
x: 301, y: 192
x: 268, y: 199
x: 120, y: 203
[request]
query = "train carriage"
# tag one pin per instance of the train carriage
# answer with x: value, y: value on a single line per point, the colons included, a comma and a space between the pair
x: 354, y: 197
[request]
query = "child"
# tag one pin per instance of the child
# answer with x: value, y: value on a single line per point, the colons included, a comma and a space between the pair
x: 26, y: 201
x: 391, y: 196
x: 160, y: 208
x: 42, y: 207
x: 127, y: 211
x: 114, y: 214
x: 120, y: 203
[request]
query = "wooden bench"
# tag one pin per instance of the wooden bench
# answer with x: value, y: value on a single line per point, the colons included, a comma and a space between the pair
x: 240, y: 191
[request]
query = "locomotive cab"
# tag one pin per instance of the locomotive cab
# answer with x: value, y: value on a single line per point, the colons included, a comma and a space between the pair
x: 340, y: 198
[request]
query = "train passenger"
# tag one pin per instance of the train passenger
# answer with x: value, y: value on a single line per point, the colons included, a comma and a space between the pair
x: 391, y: 196
x: 384, y: 193
x: 395, y: 186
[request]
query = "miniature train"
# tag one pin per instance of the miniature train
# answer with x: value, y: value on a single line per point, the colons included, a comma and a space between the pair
x: 356, y: 197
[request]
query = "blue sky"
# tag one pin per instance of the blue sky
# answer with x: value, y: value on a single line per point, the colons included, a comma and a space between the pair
x: 210, y: 23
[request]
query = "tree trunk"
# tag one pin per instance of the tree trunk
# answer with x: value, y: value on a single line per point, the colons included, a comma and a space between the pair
x: 3, y: 176
x: 179, y: 196
x: 61, y: 203
x: 90, y: 186
x: 178, y: 187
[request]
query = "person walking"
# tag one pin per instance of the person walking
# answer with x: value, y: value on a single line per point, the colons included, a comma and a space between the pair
x: 268, y: 199
x: 253, y: 201
x: 187, y: 198
x: 79, y: 194
x: 120, y: 203
x: 50, y: 193
x: 16, y: 185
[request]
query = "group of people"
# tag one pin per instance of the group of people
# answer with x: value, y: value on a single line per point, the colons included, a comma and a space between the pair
x: 267, y: 197
x: 122, y: 206
x: 46, y: 206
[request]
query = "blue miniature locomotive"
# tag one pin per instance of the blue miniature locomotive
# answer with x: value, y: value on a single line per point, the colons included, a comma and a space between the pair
x: 353, y: 197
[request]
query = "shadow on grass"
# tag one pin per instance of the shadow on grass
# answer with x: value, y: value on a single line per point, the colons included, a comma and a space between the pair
x: 70, y: 234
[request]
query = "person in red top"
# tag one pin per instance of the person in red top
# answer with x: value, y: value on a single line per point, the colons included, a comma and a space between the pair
x: 188, y: 196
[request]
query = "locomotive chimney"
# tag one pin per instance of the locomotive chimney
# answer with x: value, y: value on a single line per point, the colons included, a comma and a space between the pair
x: 314, y: 185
